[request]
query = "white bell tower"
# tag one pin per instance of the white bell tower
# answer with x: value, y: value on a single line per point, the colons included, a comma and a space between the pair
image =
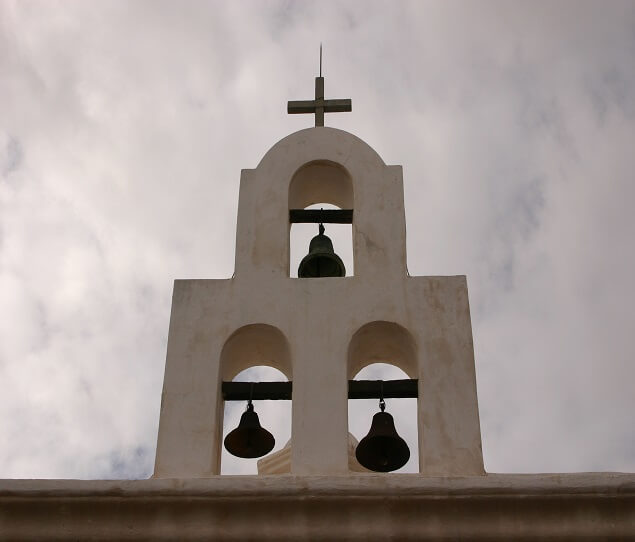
x: 320, y: 331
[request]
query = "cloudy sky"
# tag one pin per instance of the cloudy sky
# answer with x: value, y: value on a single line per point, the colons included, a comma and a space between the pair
x: 123, y: 130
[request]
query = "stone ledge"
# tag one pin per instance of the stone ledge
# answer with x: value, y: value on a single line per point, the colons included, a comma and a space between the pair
x: 604, y: 483
x: 356, y: 507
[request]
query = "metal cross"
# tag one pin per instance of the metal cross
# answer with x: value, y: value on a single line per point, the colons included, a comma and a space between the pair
x: 319, y: 106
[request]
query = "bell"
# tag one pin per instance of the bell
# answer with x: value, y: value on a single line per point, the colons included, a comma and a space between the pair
x: 321, y: 261
x: 382, y: 450
x: 249, y: 439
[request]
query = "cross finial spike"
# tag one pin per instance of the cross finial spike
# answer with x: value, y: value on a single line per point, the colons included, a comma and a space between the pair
x: 319, y: 105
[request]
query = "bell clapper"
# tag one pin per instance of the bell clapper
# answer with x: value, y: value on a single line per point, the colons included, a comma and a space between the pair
x: 250, y: 408
x: 382, y: 403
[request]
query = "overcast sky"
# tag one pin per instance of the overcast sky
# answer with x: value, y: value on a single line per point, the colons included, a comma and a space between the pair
x: 123, y: 130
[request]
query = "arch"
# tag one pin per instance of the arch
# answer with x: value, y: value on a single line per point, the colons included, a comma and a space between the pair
x: 380, y: 370
x: 325, y: 143
x: 275, y: 416
x: 255, y: 344
x: 382, y: 342
x: 403, y: 410
x: 321, y: 181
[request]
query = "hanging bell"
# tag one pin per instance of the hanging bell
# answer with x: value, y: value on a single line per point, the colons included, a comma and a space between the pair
x: 321, y: 261
x: 249, y: 439
x: 382, y: 450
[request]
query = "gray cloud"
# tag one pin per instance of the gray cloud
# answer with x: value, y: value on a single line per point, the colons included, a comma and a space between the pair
x: 11, y: 157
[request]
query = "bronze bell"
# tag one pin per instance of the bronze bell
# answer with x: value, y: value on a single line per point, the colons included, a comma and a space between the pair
x: 249, y: 439
x: 382, y: 450
x: 321, y: 261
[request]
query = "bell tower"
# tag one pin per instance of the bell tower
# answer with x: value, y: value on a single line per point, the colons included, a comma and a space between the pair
x: 321, y: 328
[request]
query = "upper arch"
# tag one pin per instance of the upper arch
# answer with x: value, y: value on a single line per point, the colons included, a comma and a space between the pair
x: 382, y: 342
x: 252, y: 345
x: 321, y: 181
x: 324, y: 145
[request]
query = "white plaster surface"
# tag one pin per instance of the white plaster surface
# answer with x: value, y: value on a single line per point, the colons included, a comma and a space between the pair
x: 280, y: 462
x: 319, y: 332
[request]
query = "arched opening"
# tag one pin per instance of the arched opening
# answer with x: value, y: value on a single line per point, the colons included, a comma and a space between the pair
x: 404, y: 411
x: 384, y: 351
x: 321, y: 185
x: 255, y: 344
x: 275, y: 417
x: 382, y: 342
x: 301, y: 234
x: 321, y: 181
x: 255, y: 353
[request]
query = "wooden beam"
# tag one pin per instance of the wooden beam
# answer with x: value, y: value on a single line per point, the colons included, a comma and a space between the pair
x: 317, y: 216
x: 242, y: 391
x: 357, y: 389
x: 392, y: 389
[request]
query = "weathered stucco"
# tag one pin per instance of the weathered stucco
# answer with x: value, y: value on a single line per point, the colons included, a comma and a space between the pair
x: 320, y: 332
x: 280, y: 462
x: 355, y: 507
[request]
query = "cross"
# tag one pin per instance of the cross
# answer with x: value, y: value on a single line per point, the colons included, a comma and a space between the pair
x: 319, y: 106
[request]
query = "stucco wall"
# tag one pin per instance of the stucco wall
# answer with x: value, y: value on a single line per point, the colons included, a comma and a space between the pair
x: 317, y: 331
